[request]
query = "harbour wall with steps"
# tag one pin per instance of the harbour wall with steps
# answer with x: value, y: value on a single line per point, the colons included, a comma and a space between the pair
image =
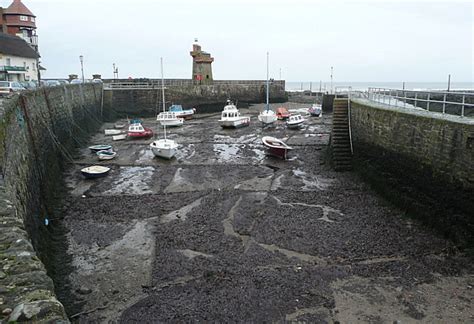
x: 205, y: 98
x: 417, y: 158
x: 38, y: 133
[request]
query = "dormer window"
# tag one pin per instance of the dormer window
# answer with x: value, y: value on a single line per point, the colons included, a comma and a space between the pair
x: 24, y: 18
x: 32, y: 19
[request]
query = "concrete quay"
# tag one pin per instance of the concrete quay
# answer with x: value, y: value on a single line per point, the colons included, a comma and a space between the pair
x: 224, y: 233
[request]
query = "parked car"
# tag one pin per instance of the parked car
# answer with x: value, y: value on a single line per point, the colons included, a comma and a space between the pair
x: 28, y: 85
x: 76, y: 81
x: 9, y: 87
x: 52, y: 83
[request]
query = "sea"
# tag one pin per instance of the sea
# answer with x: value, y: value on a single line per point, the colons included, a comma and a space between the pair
x: 325, y: 86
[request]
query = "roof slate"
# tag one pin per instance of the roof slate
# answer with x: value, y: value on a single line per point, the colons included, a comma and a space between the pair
x: 18, y: 8
x: 14, y: 45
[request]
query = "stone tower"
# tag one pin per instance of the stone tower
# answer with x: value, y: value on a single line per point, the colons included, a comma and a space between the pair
x: 202, y: 69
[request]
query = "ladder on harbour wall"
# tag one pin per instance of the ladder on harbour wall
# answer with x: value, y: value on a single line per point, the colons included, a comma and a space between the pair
x: 341, y: 142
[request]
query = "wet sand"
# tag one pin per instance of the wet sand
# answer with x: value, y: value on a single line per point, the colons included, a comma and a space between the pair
x: 224, y: 233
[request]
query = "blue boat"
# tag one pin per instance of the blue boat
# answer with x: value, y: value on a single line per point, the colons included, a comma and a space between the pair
x: 182, y: 113
x: 101, y: 147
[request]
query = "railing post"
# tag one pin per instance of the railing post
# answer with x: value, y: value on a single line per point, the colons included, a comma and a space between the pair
x: 462, y: 107
x: 416, y: 96
x: 404, y: 99
x: 428, y: 102
x: 389, y: 96
x: 444, y: 104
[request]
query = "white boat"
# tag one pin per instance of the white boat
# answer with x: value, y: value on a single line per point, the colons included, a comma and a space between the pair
x: 164, y: 148
x: 169, y: 118
x: 268, y: 116
x: 106, y: 155
x: 276, y: 147
x: 230, y: 117
x: 119, y: 125
x: 295, y: 121
x: 95, y: 171
x: 112, y: 131
x: 120, y: 137
x: 315, y: 110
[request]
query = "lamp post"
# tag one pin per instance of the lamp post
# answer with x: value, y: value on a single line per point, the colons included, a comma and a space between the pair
x: 113, y: 67
x: 81, y: 58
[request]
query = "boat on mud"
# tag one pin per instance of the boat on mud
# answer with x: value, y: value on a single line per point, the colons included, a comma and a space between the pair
x: 276, y: 147
x: 182, y: 113
x: 231, y: 118
x: 119, y: 125
x: 110, y: 132
x: 95, y: 171
x: 136, y: 130
x: 100, y: 147
x: 106, y: 155
x: 295, y: 121
x: 164, y: 148
x: 170, y: 119
x: 282, y: 113
x: 315, y: 110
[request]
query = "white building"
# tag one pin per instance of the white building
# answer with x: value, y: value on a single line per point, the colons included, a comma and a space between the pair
x: 18, y: 60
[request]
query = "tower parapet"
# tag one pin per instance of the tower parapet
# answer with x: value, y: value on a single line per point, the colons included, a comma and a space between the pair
x: 202, y: 68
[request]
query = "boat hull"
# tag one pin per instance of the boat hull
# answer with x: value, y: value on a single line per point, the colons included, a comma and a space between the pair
x: 144, y: 134
x: 172, y: 123
x: 119, y: 137
x: 97, y: 148
x: 112, y: 132
x: 241, y: 122
x: 95, y: 172
x: 106, y: 155
x: 165, y: 149
x: 267, y: 118
x: 295, y: 125
x: 276, y: 147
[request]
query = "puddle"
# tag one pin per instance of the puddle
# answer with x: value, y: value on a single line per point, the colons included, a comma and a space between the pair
x: 132, y: 181
x: 311, y: 182
x: 325, y: 209
x: 180, y: 214
x: 226, y: 153
x: 145, y: 156
x: 245, y: 139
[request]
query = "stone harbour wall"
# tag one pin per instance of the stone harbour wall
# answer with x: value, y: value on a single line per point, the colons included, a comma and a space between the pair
x: 205, y: 98
x: 38, y: 133
x: 415, y: 139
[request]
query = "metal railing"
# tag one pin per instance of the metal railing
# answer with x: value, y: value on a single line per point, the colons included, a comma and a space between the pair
x: 155, y: 83
x: 453, y: 103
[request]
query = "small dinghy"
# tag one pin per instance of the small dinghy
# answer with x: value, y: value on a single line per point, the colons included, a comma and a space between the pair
x: 315, y: 110
x: 95, y: 171
x: 119, y: 125
x: 101, y: 147
x: 106, y: 155
x: 112, y: 132
x: 276, y: 147
x: 120, y: 137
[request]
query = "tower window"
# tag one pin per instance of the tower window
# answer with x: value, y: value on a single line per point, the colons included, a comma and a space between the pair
x: 32, y: 19
x: 24, y: 18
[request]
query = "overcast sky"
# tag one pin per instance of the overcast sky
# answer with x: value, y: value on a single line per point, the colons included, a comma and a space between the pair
x: 363, y: 40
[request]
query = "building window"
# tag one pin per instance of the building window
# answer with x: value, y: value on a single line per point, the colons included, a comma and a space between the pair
x: 32, y: 19
x: 9, y: 61
x: 34, y: 66
x: 24, y: 18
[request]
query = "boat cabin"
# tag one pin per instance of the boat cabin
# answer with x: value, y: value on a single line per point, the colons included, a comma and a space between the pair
x: 167, y: 115
x: 136, y: 128
x: 295, y: 118
x: 282, y: 113
x: 230, y: 113
x: 176, y: 108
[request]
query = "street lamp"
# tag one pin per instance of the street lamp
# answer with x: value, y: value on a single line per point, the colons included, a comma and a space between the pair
x: 81, y: 58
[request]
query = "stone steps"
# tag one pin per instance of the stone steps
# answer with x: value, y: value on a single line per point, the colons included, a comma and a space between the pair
x: 340, y: 141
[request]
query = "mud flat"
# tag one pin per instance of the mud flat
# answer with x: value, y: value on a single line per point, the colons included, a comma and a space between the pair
x: 224, y: 233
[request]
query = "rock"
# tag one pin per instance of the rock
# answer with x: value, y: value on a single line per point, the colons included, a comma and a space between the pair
x: 83, y: 290
x: 3, y: 275
x: 7, y: 311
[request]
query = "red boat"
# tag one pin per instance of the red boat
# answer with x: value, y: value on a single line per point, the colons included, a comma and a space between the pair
x: 137, y: 130
x: 276, y: 147
x: 282, y: 113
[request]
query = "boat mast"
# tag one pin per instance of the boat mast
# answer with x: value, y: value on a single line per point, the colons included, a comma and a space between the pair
x: 163, y: 92
x: 268, y: 107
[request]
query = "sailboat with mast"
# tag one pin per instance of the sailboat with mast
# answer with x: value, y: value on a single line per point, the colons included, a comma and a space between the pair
x: 164, y: 148
x: 268, y: 116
